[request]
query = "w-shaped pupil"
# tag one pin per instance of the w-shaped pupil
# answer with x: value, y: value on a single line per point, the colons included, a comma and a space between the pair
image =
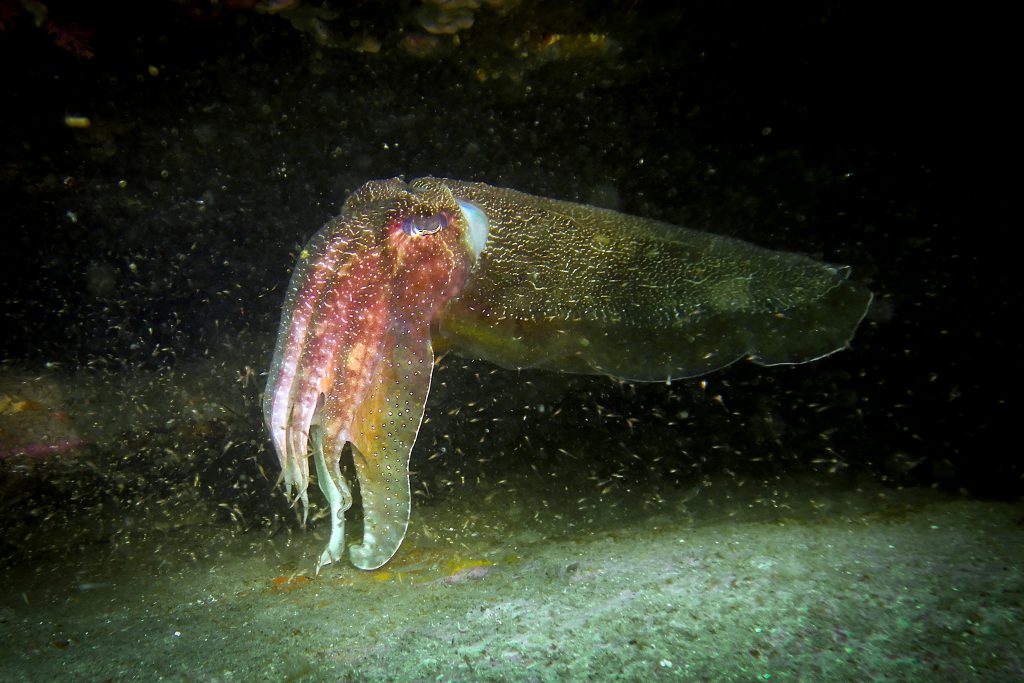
x: 424, y: 225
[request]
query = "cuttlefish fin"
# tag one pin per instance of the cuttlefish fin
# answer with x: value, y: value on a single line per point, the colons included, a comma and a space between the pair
x: 383, y: 433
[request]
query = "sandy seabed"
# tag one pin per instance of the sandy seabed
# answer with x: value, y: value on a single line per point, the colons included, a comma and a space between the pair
x: 876, y: 584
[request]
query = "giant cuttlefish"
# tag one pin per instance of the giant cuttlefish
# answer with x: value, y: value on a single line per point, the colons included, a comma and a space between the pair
x: 410, y: 269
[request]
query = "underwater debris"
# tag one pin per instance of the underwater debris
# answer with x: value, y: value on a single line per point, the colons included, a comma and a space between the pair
x: 34, y: 419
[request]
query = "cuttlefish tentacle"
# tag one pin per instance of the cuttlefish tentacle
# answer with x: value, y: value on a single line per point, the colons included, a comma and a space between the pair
x: 338, y: 495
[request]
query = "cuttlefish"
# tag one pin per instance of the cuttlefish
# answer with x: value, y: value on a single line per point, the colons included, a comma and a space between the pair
x: 410, y: 270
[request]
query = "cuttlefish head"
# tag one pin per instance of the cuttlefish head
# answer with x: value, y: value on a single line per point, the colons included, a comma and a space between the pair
x: 353, y: 359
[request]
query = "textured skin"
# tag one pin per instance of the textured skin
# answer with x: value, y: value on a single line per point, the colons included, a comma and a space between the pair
x: 570, y: 287
x: 558, y: 285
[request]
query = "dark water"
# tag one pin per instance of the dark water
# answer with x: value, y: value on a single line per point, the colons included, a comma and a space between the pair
x: 145, y: 255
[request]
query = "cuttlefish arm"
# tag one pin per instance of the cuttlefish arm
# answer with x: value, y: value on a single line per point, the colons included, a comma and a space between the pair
x: 521, y: 281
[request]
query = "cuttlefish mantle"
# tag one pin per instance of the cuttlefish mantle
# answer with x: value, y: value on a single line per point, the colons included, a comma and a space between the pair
x: 523, y: 282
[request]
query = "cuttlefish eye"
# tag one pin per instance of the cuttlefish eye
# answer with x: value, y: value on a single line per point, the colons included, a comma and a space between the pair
x: 414, y: 226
